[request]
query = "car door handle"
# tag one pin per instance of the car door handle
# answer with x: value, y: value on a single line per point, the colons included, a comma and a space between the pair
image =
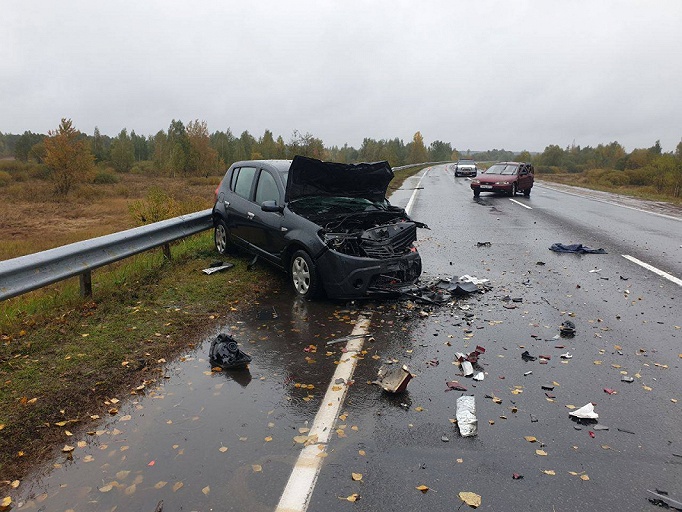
x: 250, y: 215
x: 226, y: 203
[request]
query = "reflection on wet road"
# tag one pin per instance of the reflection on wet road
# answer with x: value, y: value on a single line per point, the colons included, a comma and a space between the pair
x: 203, y: 440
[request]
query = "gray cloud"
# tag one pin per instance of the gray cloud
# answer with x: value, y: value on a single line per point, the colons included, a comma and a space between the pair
x: 479, y: 74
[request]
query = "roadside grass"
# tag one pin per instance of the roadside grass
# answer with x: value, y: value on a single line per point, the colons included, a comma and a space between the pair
x: 580, y: 180
x: 64, y: 357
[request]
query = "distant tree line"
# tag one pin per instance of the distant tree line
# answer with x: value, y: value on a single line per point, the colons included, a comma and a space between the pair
x: 191, y: 150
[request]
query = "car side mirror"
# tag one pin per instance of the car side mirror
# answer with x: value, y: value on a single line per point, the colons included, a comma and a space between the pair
x: 271, y: 206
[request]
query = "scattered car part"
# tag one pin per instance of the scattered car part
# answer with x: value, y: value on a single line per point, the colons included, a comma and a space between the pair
x: 466, y: 415
x: 225, y: 352
x: 585, y: 412
x: 575, y: 249
x: 394, y: 379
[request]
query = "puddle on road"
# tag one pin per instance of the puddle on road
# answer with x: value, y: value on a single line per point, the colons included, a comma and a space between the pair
x: 203, y: 440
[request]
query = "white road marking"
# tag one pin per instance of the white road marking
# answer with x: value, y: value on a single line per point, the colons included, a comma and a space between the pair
x: 299, y: 488
x: 606, y: 201
x: 408, y: 208
x: 520, y: 204
x: 655, y: 270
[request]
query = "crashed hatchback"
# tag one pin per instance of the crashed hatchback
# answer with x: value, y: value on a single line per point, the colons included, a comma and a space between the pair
x: 329, y: 225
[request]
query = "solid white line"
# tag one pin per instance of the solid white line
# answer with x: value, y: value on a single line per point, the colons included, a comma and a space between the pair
x: 661, y: 273
x: 408, y: 208
x: 520, y: 204
x: 299, y: 488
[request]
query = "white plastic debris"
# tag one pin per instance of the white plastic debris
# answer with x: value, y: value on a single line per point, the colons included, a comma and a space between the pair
x: 479, y: 376
x: 585, y: 412
x: 471, y: 279
x: 567, y: 355
x: 466, y: 416
x: 467, y: 368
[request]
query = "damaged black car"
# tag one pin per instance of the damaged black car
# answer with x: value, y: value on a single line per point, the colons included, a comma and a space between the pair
x: 328, y: 225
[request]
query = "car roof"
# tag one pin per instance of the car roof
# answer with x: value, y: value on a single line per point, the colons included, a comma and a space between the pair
x: 280, y: 165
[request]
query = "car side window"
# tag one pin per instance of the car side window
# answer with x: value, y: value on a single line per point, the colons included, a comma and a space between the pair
x: 266, y: 190
x: 244, y: 180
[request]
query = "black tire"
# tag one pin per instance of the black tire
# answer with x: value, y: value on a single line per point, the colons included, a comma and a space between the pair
x: 221, y: 237
x: 513, y: 190
x: 304, y: 276
x: 526, y: 192
x: 477, y: 192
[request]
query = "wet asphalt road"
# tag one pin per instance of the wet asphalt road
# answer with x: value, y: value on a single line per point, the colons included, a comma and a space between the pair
x: 211, y: 441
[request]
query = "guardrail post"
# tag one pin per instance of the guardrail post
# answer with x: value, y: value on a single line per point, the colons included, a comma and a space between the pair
x: 166, y: 251
x: 86, y: 284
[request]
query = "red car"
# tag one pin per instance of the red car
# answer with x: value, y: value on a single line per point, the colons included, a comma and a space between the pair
x: 505, y: 177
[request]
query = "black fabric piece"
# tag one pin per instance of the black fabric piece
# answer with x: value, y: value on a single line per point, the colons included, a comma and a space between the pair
x: 575, y: 249
x: 225, y: 352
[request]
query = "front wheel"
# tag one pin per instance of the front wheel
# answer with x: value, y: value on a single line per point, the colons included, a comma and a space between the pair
x: 477, y: 192
x: 513, y: 190
x: 304, y: 275
x: 526, y: 192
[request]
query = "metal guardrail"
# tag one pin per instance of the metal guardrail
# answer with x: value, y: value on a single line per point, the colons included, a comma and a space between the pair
x: 33, y: 271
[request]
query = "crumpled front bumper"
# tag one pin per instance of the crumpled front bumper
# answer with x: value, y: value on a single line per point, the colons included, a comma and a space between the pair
x: 352, y: 277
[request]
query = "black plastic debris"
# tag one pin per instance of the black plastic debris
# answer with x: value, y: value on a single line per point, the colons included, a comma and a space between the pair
x: 575, y: 249
x: 567, y: 329
x: 663, y: 500
x: 225, y: 352
x: 527, y: 357
x: 483, y: 244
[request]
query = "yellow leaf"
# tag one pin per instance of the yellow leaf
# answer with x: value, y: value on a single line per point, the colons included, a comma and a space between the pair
x: 257, y: 468
x: 268, y: 439
x: 606, y: 447
x: 361, y: 452
x: 61, y: 423
x: 584, y: 477
x: 15, y: 484
x: 549, y: 472
x: 127, y: 417
x: 597, y: 363
x: 108, y: 487
x: 419, y: 409
x: 206, y: 490
x: 2, y: 425
x: 646, y: 388
x: 300, y: 439
x: 470, y: 498
x: 303, y: 430
x: 459, y: 461
x: 222, y: 449
x: 530, y: 439
x: 322, y: 455
x: 177, y: 486
x: 161, y: 484
x: 422, y: 488
x: 352, y: 498
x: 130, y: 490
x: 356, y: 476
x: 67, y: 448
x: 573, y: 473
x: 88, y: 458
x: 542, y: 453
x: 571, y: 407
x: 81, y: 444
x: 6, y: 502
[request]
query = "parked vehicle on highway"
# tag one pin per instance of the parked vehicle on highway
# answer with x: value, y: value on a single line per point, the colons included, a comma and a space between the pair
x: 505, y: 177
x: 329, y: 225
x: 465, y: 168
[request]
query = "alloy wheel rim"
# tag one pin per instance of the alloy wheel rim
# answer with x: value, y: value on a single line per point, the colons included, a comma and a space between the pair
x: 301, y: 275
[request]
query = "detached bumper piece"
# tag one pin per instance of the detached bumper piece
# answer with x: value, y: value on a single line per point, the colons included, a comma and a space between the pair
x: 225, y: 352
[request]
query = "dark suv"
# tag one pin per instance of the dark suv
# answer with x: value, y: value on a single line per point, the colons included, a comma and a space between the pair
x: 505, y: 177
x: 329, y: 225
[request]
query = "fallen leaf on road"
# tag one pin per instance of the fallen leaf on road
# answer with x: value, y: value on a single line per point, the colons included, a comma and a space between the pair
x: 206, y: 490
x: 356, y: 476
x: 268, y: 439
x: 257, y: 468
x: 584, y: 477
x: 222, y: 449
x: 549, y: 472
x: 470, y: 498
x: 542, y: 453
x: 530, y: 439
x: 67, y: 448
x: 352, y: 498
x: 422, y: 488
x: 361, y: 452
x: 177, y: 486
x: 160, y: 484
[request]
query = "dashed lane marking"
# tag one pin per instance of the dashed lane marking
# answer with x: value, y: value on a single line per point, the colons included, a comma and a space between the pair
x: 520, y: 204
x: 653, y: 269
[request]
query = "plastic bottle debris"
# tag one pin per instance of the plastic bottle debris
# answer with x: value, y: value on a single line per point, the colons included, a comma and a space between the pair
x: 225, y: 352
x: 466, y: 415
x: 393, y: 379
x: 585, y: 412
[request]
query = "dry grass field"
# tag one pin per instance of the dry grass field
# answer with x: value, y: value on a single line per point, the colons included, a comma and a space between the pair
x: 33, y: 219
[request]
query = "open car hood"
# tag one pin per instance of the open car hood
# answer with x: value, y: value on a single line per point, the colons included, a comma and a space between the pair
x: 311, y: 177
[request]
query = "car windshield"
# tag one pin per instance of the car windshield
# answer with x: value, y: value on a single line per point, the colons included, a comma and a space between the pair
x: 336, y: 205
x: 466, y: 162
x: 507, y: 169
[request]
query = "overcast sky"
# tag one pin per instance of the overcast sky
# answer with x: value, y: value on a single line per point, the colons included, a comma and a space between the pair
x: 478, y: 74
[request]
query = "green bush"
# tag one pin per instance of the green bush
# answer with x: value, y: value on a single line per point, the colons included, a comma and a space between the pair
x: 158, y: 205
x: 5, y: 178
x: 105, y: 177
x: 615, y: 178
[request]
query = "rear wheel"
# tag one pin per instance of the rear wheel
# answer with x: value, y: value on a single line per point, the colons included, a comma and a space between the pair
x: 304, y: 275
x: 221, y: 237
